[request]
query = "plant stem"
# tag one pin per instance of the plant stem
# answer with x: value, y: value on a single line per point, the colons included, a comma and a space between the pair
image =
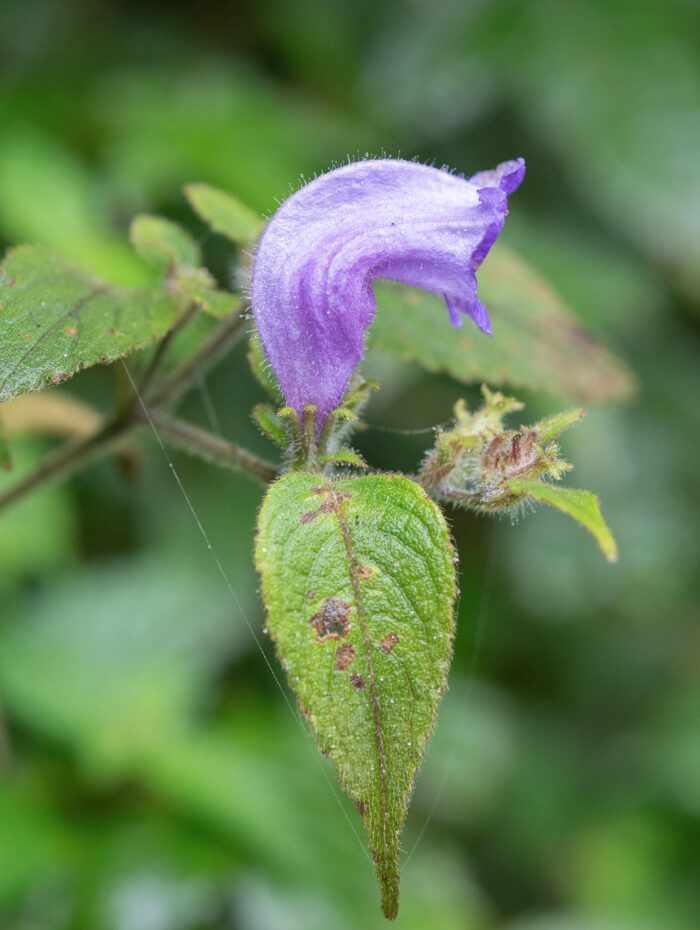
x: 67, y: 459
x: 211, y: 448
x: 163, y: 348
x: 221, y: 341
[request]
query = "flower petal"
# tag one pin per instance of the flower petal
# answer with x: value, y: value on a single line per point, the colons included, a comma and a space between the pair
x: 312, y: 280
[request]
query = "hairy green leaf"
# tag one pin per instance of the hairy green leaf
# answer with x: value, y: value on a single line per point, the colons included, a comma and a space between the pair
x: 56, y: 319
x: 549, y: 427
x: 163, y: 243
x: 358, y: 580
x: 271, y: 424
x: 583, y: 506
x: 344, y: 457
x: 538, y: 344
x: 224, y: 213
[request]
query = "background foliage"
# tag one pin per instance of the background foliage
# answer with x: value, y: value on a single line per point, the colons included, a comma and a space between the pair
x: 152, y: 776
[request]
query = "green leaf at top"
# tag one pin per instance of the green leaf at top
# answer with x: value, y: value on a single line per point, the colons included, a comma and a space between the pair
x: 583, y: 506
x: 198, y: 285
x: 56, y: 319
x: 163, y: 243
x: 224, y: 213
x: 537, y: 344
x: 358, y: 579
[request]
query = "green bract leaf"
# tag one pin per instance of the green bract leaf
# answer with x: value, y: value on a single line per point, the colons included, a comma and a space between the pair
x: 358, y: 580
x: 538, y: 344
x: 201, y: 287
x: 224, y: 213
x: 583, y: 506
x: 550, y: 427
x: 344, y: 457
x: 482, y: 466
x: 56, y: 319
x: 163, y: 243
x: 271, y: 424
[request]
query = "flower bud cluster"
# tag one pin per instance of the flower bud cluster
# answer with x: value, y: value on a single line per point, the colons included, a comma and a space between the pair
x: 474, y: 463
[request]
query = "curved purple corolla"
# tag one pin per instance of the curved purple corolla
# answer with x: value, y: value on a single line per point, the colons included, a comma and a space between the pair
x: 312, y: 280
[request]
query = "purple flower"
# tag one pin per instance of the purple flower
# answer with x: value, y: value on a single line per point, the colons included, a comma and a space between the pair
x: 312, y: 281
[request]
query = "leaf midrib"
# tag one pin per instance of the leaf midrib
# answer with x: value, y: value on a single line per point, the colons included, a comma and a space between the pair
x: 352, y: 567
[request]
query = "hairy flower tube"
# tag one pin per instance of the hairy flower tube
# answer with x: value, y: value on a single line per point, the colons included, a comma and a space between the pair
x: 312, y: 279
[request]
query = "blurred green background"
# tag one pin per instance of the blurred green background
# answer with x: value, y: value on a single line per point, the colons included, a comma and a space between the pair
x: 151, y: 774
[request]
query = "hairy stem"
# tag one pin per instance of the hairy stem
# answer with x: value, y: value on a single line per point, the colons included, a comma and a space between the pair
x: 218, y: 344
x: 67, y: 459
x: 211, y: 448
x: 163, y: 348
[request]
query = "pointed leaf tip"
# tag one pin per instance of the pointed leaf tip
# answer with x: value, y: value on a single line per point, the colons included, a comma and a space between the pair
x: 583, y: 506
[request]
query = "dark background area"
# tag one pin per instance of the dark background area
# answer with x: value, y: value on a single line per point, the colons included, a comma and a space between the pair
x: 151, y: 774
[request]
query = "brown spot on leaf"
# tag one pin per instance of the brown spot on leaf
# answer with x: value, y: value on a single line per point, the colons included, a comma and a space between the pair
x: 111, y: 330
x: 70, y: 331
x: 345, y: 655
x: 326, y: 507
x: 357, y: 681
x: 331, y: 621
x: 388, y: 643
x: 362, y: 808
x: 363, y: 572
x: 11, y: 282
x: 59, y: 376
x: 310, y: 595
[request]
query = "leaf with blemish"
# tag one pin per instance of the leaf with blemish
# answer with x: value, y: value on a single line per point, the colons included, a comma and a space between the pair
x: 358, y: 579
x: 57, y: 319
x: 537, y: 344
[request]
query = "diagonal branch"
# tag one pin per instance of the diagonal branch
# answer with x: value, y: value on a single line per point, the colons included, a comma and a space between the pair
x: 211, y: 448
x: 67, y: 459
x: 217, y: 345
